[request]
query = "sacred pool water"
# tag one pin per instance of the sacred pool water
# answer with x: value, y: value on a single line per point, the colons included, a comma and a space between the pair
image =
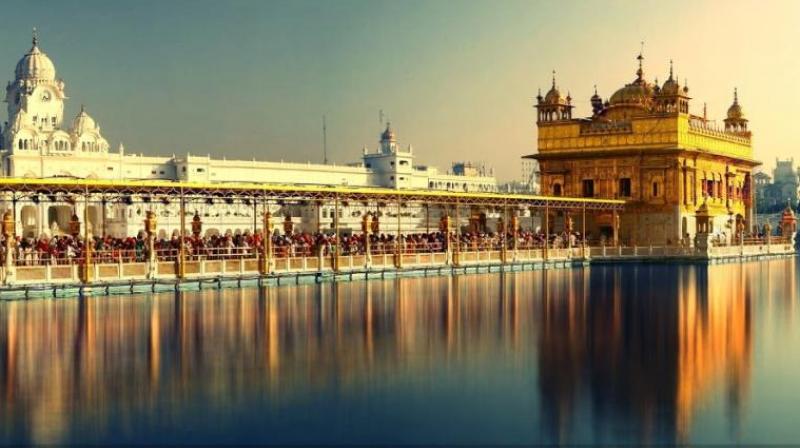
x: 634, y: 353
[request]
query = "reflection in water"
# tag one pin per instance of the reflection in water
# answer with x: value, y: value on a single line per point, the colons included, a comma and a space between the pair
x: 604, y: 354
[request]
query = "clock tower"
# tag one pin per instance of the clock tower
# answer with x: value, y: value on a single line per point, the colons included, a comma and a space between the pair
x: 35, y: 102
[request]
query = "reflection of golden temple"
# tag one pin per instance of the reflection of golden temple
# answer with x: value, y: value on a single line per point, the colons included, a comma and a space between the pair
x: 644, y: 354
x: 601, y: 342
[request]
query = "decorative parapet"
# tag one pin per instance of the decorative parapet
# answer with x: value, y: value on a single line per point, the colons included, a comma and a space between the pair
x: 703, y: 128
x: 606, y: 127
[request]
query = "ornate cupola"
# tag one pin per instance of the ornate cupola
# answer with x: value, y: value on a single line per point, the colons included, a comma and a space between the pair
x: 388, y: 140
x: 736, y: 122
x: 597, y: 102
x: 672, y: 98
x: 553, y: 107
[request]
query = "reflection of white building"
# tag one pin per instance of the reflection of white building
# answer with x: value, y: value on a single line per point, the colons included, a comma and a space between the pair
x: 34, y: 144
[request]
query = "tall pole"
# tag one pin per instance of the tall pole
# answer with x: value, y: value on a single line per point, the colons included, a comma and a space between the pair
x: 324, y: 140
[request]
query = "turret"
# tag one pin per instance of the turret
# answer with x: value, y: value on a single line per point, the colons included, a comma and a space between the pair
x: 736, y: 122
x: 553, y: 107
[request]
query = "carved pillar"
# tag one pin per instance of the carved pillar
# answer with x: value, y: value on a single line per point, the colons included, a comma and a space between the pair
x: 366, y: 226
x: 266, y: 244
x: 150, y: 222
x: 9, y: 232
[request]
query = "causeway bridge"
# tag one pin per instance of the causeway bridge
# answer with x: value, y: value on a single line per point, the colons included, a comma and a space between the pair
x: 464, y: 241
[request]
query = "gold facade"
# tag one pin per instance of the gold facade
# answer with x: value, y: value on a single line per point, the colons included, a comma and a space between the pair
x: 644, y: 146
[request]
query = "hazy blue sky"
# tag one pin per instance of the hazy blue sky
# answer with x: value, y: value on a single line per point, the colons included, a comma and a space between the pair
x: 456, y: 78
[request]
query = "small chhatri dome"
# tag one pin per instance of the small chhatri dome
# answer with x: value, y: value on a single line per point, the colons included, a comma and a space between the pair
x: 388, y: 134
x: 595, y: 97
x: 735, y: 111
x: 671, y: 86
x: 553, y: 96
x: 83, y: 122
x: 35, y: 64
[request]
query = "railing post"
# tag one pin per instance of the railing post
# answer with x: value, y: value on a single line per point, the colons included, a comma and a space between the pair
x: 9, y: 231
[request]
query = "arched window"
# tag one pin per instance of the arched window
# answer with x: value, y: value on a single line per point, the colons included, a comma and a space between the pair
x: 556, y: 189
x: 655, y: 189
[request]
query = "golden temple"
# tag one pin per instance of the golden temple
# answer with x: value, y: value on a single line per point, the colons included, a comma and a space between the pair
x: 644, y: 145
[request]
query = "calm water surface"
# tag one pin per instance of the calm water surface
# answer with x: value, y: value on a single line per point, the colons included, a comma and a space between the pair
x: 627, y: 354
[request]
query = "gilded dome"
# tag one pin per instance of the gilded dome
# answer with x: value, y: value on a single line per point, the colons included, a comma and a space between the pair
x: 35, y: 64
x: 735, y: 111
x: 637, y: 92
x: 553, y: 96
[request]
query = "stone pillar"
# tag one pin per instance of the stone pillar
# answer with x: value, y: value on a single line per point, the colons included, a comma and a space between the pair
x: 88, y: 247
x: 502, y: 231
x: 366, y: 227
x: 182, y: 238
x: 266, y: 244
x: 337, y: 245
x: 150, y: 222
x: 615, y: 223
x: 9, y: 232
x: 514, y: 235
x: 444, y: 227
x: 457, y: 251
x: 398, y: 241
x: 546, y: 230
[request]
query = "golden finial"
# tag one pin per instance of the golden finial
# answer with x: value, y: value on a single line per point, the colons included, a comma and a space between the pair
x: 554, y: 79
x: 670, y: 69
x: 35, y: 37
x: 640, y: 71
x: 735, y: 95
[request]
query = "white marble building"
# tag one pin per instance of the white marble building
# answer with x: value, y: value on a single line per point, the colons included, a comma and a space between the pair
x: 34, y: 143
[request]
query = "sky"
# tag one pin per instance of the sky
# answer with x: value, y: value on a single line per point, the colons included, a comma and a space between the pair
x: 457, y: 78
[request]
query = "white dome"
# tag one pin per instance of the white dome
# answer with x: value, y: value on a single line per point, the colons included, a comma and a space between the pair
x: 83, y: 123
x: 35, y: 65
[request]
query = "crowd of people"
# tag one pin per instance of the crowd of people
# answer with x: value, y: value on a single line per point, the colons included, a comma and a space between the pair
x: 66, y: 249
